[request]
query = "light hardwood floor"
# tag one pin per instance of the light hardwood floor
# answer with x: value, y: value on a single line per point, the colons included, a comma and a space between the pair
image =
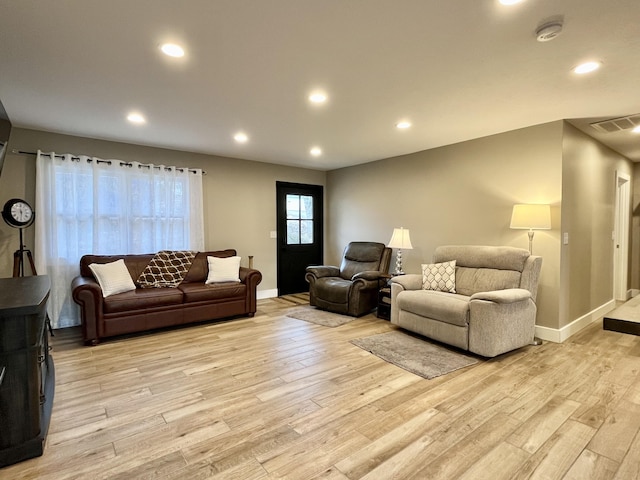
x: 274, y: 397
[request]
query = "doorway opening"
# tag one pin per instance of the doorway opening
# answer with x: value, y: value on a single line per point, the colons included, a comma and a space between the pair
x: 621, y: 237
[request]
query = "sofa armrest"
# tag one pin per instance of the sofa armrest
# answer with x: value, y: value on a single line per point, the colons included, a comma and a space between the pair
x: 248, y: 275
x: 87, y: 293
x: 509, y: 295
x: 373, y: 275
x: 319, y: 271
x: 251, y: 278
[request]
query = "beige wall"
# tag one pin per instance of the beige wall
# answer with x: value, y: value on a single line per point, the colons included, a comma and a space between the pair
x: 458, y: 194
x: 239, y: 195
x: 588, y: 205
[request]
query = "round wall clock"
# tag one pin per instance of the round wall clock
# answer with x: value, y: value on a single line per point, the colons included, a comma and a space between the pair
x: 18, y: 213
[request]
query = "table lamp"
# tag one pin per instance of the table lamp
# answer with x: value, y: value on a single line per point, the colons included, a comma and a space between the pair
x: 400, y: 240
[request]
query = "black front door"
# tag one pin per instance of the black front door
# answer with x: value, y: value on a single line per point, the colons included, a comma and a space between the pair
x: 299, y: 212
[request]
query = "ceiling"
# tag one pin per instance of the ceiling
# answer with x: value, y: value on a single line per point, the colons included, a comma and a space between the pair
x: 457, y: 70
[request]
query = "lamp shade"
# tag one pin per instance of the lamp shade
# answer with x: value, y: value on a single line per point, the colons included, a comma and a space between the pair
x: 400, y: 239
x: 531, y: 217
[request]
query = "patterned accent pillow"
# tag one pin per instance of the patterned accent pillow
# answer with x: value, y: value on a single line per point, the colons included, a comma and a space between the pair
x: 167, y: 268
x: 439, y: 276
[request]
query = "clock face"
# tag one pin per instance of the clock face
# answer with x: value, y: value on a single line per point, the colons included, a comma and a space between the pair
x: 18, y: 213
x: 21, y: 212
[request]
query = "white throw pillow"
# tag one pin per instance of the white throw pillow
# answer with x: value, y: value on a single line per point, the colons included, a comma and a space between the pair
x: 223, y: 269
x: 439, y: 276
x: 113, y: 277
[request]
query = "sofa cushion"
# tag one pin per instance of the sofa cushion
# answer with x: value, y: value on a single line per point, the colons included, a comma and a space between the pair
x: 113, y: 277
x: 142, y: 298
x: 474, y: 280
x: 200, y: 267
x: 360, y: 257
x: 223, y: 269
x: 499, y: 258
x: 442, y: 306
x: 439, y: 276
x: 167, y: 268
x: 333, y: 289
x: 199, y: 292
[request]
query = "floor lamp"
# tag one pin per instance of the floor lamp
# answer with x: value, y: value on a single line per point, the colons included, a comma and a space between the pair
x: 531, y: 217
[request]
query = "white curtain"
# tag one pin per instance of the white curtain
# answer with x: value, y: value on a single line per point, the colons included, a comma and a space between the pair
x: 108, y: 207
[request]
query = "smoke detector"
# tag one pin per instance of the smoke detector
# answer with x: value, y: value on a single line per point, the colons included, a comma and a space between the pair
x: 549, y: 31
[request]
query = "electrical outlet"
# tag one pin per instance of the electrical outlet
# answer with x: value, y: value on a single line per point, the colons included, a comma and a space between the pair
x: 565, y: 238
x: 273, y: 234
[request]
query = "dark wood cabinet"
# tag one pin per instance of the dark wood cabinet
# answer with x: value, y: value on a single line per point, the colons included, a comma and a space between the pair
x: 26, y: 390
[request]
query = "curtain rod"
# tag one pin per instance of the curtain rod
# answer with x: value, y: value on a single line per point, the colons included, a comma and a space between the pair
x: 89, y: 159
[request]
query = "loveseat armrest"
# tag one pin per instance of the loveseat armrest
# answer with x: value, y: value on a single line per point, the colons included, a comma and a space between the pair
x: 86, y: 292
x: 509, y: 295
x: 410, y: 281
x: 319, y: 271
x: 400, y: 283
x: 501, y: 321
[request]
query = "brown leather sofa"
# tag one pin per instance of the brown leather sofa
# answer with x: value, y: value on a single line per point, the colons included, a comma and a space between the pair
x: 150, y: 308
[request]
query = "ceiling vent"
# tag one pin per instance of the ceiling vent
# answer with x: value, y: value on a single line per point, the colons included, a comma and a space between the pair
x: 617, y: 124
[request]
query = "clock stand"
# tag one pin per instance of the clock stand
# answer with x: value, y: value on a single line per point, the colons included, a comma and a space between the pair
x: 18, y: 260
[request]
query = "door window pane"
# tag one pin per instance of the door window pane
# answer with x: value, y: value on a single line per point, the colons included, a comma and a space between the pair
x: 306, y: 231
x: 293, y: 232
x: 293, y: 206
x: 306, y: 207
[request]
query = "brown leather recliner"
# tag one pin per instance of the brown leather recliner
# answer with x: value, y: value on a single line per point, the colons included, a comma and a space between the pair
x: 353, y: 288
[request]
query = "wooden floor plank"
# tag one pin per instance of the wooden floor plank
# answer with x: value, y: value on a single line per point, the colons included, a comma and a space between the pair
x: 275, y: 397
x: 591, y: 465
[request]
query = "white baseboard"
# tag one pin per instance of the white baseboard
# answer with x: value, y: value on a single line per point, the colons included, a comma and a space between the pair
x: 260, y: 294
x: 560, y: 335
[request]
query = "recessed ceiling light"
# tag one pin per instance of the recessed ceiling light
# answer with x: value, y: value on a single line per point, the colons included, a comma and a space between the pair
x: 316, y: 151
x: 403, y: 125
x: 510, y: 2
x: 172, y: 50
x: 318, y: 97
x: 240, y: 137
x: 138, y: 118
x: 586, y: 67
x: 636, y: 129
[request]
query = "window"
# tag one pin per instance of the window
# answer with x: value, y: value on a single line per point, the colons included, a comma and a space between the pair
x: 299, y: 219
x: 91, y: 206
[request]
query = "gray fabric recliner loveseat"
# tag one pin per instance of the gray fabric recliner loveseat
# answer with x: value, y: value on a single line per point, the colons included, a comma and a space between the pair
x: 493, y: 309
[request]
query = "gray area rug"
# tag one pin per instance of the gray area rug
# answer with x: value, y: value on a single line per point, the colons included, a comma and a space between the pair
x: 319, y: 317
x: 413, y: 354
